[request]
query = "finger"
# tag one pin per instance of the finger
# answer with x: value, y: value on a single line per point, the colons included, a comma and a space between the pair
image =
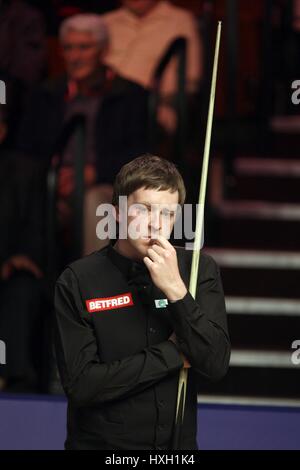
x: 158, y: 249
x: 164, y: 243
x: 148, y: 262
x: 166, y: 246
x: 154, y: 256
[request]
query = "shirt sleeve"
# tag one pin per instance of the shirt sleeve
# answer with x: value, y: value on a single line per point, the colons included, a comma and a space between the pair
x: 86, y: 380
x: 200, y: 325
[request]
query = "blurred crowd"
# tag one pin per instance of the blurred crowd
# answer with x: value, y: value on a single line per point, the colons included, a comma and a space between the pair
x: 107, y: 53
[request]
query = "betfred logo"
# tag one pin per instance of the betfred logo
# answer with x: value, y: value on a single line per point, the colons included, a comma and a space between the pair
x: 109, y: 303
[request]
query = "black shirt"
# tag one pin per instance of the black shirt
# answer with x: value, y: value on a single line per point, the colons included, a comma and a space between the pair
x: 118, y: 367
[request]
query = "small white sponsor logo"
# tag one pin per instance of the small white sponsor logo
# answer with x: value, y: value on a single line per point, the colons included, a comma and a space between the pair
x: 161, y: 303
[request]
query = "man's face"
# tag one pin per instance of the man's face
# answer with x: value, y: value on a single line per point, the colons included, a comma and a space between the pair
x: 149, y: 213
x: 139, y: 7
x: 81, y: 53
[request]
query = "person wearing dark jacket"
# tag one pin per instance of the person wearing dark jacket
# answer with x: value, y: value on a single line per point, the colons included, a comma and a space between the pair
x: 126, y: 323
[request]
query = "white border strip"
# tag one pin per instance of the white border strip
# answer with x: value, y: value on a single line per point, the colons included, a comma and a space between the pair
x: 262, y: 306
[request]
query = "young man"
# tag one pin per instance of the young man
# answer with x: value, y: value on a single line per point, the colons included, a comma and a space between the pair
x: 126, y: 323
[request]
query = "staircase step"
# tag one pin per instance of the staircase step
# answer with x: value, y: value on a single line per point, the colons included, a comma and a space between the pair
x: 257, y: 225
x: 279, y: 168
x: 258, y: 210
x: 286, y: 124
x: 285, y: 137
x: 261, y: 358
x: 276, y: 180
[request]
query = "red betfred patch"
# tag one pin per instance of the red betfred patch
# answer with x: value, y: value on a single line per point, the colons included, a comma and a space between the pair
x: 109, y: 303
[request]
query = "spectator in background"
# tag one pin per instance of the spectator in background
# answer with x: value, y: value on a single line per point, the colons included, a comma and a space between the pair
x: 22, y: 307
x: 140, y: 34
x: 115, y: 112
x: 22, y: 40
x: 21, y: 259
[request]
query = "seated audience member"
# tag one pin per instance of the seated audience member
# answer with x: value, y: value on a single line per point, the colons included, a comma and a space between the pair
x: 115, y: 113
x: 140, y: 33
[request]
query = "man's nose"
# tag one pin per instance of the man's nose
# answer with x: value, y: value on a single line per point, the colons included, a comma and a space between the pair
x: 155, y: 220
x: 73, y: 54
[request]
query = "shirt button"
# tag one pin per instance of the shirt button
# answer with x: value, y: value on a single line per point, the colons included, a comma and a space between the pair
x: 161, y: 427
x: 161, y: 403
x: 152, y: 330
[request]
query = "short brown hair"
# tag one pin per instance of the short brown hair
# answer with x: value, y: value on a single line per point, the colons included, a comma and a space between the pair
x: 149, y: 172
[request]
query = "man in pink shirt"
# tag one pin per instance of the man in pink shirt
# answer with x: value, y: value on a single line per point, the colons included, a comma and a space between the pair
x: 140, y: 34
